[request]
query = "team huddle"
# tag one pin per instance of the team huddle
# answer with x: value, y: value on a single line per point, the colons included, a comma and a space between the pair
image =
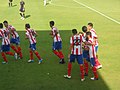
x: 83, y: 47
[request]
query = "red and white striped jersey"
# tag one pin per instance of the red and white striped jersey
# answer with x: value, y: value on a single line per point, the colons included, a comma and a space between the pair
x: 84, y: 40
x: 56, y: 37
x: 92, y: 52
x: 94, y: 36
x: 30, y: 33
x: 12, y: 31
x: 76, y: 42
x: 4, y: 34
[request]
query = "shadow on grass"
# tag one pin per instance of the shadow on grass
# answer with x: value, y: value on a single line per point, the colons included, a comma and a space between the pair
x: 27, y: 16
x: 14, y: 5
x: 19, y: 76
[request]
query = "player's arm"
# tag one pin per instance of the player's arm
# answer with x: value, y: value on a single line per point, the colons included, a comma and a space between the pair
x: 71, y: 46
x: 34, y: 33
x: 27, y: 37
x: 51, y: 33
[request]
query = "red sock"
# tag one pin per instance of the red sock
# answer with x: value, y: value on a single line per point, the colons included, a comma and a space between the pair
x: 4, y: 57
x: 20, y: 53
x: 69, y: 68
x: 13, y: 47
x: 10, y: 53
x: 31, y: 55
x: 97, y: 63
x: 38, y: 55
x: 57, y: 53
x: 82, y: 71
x: 61, y: 54
x: 86, y: 67
x: 95, y: 72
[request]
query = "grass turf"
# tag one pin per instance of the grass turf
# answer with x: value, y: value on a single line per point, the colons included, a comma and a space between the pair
x: 19, y: 75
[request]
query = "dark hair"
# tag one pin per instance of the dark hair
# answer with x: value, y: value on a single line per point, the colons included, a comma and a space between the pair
x: 74, y: 31
x: 52, y: 23
x: 1, y: 25
x: 27, y: 25
x: 90, y: 24
x: 5, y: 21
x: 84, y: 29
x: 88, y: 33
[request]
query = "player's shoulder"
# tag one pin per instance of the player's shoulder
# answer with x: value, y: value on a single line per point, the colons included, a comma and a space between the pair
x: 54, y: 28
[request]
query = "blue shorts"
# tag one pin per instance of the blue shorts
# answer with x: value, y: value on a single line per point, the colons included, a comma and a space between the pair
x: 79, y: 58
x: 86, y: 55
x: 15, y: 41
x: 92, y: 61
x: 33, y: 46
x: 57, y: 45
x: 5, y: 48
x: 96, y: 49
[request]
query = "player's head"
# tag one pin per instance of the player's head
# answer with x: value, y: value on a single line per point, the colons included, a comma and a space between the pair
x: 27, y: 26
x: 84, y: 29
x: 88, y: 34
x: 1, y: 25
x: 74, y: 31
x: 52, y: 23
x: 5, y: 23
x: 90, y: 26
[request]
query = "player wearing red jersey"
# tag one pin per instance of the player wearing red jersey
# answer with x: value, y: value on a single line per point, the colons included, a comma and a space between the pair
x: 94, y: 36
x: 5, y: 48
x: 14, y: 39
x: 31, y: 35
x: 92, y: 54
x: 85, y: 51
x: 76, y: 53
x: 57, y: 42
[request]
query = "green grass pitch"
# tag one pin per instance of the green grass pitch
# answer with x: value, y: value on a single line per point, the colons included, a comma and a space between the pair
x: 68, y: 14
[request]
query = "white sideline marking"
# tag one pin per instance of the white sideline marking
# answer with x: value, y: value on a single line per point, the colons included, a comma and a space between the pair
x: 97, y: 12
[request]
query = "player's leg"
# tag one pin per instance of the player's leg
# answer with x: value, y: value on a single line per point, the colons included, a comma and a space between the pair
x: 10, y: 53
x: 19, y: 48
x: 22, y: 14
x: 54, y: 49
x: 38, y: 56
x: 85, y: 57
x: 33, y: 48
x: 97, y: 63
x: 9, y: 3
x: 45, y: 2
x: 72, y: 59
x: 31, y: 59
x: 92, y: 61
x: 12, y: 42
x: 80, y: 62
x: 6, y: 50
x: 4, y: 57
x: 19, y: 51
x: 59, y: 47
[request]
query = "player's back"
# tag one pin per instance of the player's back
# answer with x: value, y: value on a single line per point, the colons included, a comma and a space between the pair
x: 5, y: 37
x: 76, y: 41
